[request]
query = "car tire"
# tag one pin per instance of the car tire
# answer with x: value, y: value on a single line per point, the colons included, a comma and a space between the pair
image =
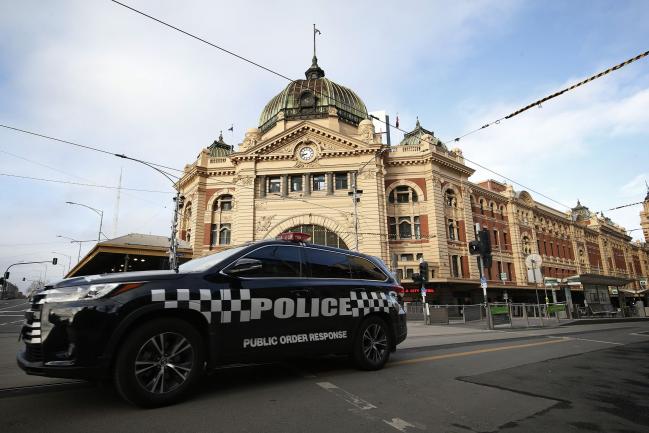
x: 372, y: 344
x: 159, y: 362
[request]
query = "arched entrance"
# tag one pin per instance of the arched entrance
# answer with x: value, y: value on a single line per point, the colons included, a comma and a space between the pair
x: 320, y: 235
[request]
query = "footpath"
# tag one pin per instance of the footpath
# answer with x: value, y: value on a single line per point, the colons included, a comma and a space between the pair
x: 421, y: 335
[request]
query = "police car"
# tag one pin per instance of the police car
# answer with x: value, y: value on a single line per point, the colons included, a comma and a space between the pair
x: 155, y: 333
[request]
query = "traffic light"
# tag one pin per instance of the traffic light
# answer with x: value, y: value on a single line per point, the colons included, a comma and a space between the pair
x: 423, y: 271
x: 487, y: 261
x: 55, y: 260
x: 485, y: 242
x: 474, y: 248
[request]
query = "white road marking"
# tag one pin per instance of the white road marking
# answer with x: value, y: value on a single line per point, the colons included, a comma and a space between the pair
x: 11, y: 323
x: 14, y: 305
x: 399, y: 424
x: 593, y: 341
x: 639, y: 334
x: 362, y: 405
x: 12, y: 315
x: 350, y: 398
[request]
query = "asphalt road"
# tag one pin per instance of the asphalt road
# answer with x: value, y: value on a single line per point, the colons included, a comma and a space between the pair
x: 588, y: 380
x: 12, y: 315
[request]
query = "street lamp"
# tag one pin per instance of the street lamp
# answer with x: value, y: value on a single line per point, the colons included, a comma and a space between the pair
x: 74, y: 241
x: 97, y: 211
x: 69, y: 258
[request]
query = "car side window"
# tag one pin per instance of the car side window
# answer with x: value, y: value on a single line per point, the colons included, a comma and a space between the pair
x: 277, y: 261
x: 327, y: 264
x: 363, y: 269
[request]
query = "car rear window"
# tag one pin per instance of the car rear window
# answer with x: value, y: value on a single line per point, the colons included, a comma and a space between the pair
x: 363, y: 269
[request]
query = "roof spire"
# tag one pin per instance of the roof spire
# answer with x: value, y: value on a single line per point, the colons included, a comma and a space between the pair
x: 314, y: 71
x: 418, y: 125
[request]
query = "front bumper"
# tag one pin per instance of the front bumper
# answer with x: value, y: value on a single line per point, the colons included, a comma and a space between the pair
x: 38, y: 368
x: 66, y: 339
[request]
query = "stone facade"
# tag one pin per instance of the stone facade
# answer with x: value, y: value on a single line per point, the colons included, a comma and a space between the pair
x: 416, y: 202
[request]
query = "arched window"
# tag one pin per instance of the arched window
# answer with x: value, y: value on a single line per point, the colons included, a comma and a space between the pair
x: 449, y: 198
x: 491, y: 208
x: 405, y: 228
x: 482, y: 206
x: 223, y: 203
x: 320, y: 235
x: 403, y: 194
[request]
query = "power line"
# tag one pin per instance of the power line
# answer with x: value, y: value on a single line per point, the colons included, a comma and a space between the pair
x: 497, y: 121
x: 626, y: 205
x: 72, y: 143
x: 82, y: 184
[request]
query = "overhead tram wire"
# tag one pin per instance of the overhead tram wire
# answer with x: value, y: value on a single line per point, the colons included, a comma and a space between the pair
x: 83, y: 184
x: 342, y: 103
x: 95, y: 149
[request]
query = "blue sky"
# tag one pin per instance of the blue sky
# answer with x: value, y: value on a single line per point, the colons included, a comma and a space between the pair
x: 95, y: 73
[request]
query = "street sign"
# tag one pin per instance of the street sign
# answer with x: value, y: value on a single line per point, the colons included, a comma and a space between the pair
x: 503, y: 276
x: 483, y: 282
x: 533, y: 261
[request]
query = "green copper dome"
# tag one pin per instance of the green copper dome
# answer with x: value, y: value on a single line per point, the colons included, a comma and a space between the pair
x: 415, y: 136
x: 311, y: 99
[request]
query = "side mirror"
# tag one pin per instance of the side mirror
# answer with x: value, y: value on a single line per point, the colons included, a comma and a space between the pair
x: 244, y: 265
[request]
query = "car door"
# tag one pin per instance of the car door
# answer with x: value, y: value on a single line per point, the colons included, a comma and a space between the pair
x: 274, y: 304
x: 331, y: 284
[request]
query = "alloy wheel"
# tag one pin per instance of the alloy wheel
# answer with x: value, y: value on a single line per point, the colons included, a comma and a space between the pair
x: 164, y: 362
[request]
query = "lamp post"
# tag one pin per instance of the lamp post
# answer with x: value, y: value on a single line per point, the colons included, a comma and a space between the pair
x: 97, y: 211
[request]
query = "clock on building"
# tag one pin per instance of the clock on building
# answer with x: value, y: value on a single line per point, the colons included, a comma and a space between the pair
x: 306, y: 153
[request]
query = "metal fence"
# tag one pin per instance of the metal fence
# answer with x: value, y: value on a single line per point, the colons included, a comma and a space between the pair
x: 493, y: 316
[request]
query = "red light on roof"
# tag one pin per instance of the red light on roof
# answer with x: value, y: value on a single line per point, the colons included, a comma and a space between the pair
x: 294, y: 236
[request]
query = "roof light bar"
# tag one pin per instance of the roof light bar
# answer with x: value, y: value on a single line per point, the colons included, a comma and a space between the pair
x: 294, y: 236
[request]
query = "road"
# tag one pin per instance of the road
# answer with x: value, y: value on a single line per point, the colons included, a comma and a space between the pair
x: 581, y: 379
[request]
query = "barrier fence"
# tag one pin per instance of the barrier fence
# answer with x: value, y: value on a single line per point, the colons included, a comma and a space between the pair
x: 493, y: 316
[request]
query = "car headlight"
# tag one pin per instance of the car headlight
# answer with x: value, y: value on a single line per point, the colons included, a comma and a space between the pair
x: 78, y: 293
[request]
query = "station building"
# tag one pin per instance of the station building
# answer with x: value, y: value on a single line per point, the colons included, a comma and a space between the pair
x: 296, y: 171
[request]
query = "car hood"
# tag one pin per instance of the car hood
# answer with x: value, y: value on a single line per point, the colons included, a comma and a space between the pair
x: 120, y: 277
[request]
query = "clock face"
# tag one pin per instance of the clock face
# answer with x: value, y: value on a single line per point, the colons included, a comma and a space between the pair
x: 306, y: 153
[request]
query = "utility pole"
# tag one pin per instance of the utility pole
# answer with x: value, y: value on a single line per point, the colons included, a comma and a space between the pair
x: 119, y: 191
x: 173, y: 245
x: 354, y: 193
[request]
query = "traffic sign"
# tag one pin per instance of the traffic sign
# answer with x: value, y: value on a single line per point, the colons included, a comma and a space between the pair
x: 503, y: 276
x: 483, y: 282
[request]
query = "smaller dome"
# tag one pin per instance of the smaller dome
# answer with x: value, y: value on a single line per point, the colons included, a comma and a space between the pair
x: 415, y: 137
x: 219, y: 148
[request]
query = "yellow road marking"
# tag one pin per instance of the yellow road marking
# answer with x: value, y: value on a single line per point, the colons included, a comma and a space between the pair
x: 476, y: 352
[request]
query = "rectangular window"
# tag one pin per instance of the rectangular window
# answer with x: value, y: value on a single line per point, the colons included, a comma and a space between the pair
x: 318, y: 182
x: 327, y: 264
x: 496, y: 238
x: 403, y: 194
x: 363, y: 269
x: 409, y: 272
x: 455, y: 267
x: 551, y: 249
x: 392, y: 227
x: 296, y: 183
x: 224, y: 234
x: 509, y: 272
x: 341, y: 181
x: 274, y: 184
x: 406, y: 257
x: 214, y: 233
x: 417, y: 228
x: 451, y: 230
x: 400, y: 274
x: 505, y: 240
x: 420, y: 256
x: 405, y: 229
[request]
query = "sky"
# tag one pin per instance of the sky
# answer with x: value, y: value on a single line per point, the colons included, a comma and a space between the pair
x: 98, y: 74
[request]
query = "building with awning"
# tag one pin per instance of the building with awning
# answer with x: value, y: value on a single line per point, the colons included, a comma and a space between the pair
x: 132, y: 252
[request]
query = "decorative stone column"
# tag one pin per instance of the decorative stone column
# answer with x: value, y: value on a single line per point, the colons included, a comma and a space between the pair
x: 262, y: 186
x: 284, y: 185
x: 330, y: 184
x: 307, y: 184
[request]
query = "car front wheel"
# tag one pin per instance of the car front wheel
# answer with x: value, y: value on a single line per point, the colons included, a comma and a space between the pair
x: 159, y: 362
x: 371, y: 346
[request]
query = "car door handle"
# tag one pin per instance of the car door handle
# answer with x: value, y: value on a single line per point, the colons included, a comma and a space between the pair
x: 301, y: 293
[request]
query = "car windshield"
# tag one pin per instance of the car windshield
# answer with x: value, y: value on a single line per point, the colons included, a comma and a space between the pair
x: 204, y: 263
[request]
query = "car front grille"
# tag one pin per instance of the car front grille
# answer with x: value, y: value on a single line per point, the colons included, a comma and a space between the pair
x: 31, y: 332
